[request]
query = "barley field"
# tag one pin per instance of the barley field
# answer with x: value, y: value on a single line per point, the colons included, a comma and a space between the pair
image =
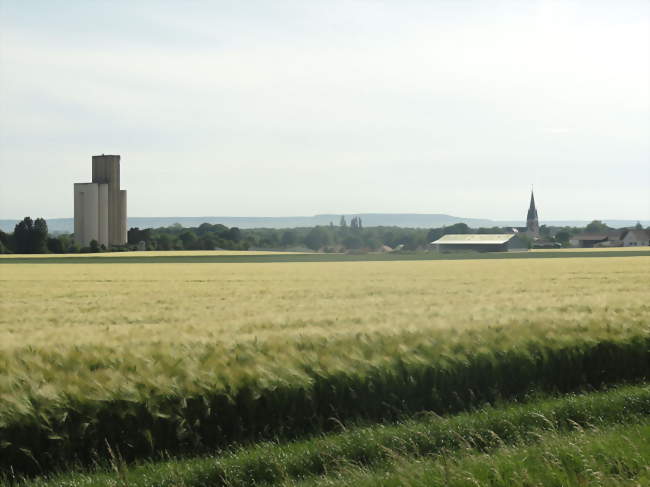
x: 154, y: 359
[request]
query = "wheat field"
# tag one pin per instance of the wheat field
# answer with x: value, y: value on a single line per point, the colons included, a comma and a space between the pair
x: 131, y: 306
x: 224, y: 352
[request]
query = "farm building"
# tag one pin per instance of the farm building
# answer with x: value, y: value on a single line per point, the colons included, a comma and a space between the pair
x: 636, y: 238
x: 612, y: 238
x: 505, y: 242
x: 588, y: 240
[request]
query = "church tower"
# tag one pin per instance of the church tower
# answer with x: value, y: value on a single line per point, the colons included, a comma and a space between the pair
x: 532, y: 223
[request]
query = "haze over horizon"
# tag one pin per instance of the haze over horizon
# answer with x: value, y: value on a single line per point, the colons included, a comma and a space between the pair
x: 288, y: 109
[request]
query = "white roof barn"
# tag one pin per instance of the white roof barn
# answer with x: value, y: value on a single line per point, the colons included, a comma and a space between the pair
x: 501, y: 242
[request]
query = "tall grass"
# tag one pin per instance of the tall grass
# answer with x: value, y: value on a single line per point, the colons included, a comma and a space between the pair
x: 484, y: 430
x: 382, y: 379
x: 614, y: 457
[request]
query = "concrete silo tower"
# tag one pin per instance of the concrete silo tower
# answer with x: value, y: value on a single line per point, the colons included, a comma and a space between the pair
x: 100, y: 206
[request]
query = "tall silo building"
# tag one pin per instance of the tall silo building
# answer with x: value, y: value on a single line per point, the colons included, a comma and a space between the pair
x: 100, y: 206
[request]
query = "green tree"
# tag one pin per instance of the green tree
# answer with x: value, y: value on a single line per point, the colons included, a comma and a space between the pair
x: 317, y: 238
x: 5, y: 242
x: 22, y: 235
x: 270, y: 239
x: 208, y: 242
x: 30, y: 236
x: 596, y: 226
x: 353, y: 242
x: 355, y: 223
x: 73, y: 247
x: 288, y: 238
x: 165, y: 242
x: 189, y: 239
x: 39, y: 236
x: 135, y: 236
x: 409, y: 241
x: 563, y: 237
x: 94, y: 246
x: 371, y: 242
x: 434, y: 234
x: 66, y: 243
x: 456, y: 229
x: 54, y: 245
x: 234, y: 234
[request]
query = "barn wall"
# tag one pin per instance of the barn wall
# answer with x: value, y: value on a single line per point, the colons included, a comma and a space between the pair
x: 470, y: 247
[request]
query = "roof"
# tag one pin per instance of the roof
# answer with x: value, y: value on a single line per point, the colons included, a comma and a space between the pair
x: 481, y: 238
x: 637, y: 234
x: 590, y: 236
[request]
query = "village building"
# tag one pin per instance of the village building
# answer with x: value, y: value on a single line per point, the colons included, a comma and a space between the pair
x: 589, y: 240
x: 518, y: 240
x: 636, y: 238
x: 612, y: 238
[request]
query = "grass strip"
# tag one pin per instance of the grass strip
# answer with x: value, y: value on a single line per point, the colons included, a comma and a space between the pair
x: 317, y: 257
x: 481, y: 430
x: 613, y: 456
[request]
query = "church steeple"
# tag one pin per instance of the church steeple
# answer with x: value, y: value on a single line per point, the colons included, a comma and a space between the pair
x: 532, y: 222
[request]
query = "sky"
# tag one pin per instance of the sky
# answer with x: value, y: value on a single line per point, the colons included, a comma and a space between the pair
x: 284, y: 108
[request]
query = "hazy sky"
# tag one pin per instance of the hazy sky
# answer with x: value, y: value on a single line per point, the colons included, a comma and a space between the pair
x: 269, y: 108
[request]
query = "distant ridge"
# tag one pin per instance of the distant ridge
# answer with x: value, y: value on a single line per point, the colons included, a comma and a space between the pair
x: 410, y: 220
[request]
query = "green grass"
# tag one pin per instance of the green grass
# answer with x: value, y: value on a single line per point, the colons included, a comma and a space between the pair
x: 455, y: 439
x: 610, y: 456
x: 316, y: 257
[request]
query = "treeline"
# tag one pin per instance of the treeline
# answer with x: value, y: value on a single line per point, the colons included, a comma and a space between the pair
x: 31, y: 236
x: 177, y: 237
x: 343, y: 237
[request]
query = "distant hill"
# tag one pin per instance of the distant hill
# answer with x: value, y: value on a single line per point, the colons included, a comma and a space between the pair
x: 410, y: 220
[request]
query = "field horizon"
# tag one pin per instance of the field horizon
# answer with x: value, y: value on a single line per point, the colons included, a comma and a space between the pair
x: 407, y: 220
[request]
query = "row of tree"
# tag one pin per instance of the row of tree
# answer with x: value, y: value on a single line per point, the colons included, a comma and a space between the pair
x: 177, y: 237
x: 31, y: 236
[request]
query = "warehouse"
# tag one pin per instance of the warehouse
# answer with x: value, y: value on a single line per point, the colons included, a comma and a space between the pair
x: 506, y: 242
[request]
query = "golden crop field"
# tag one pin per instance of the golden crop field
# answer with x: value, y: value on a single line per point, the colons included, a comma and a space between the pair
x: 88, y: 349
x: 131, y: 306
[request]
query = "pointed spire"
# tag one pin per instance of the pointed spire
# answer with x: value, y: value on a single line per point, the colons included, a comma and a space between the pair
x: 532, y: 199
x: 532, y: 222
